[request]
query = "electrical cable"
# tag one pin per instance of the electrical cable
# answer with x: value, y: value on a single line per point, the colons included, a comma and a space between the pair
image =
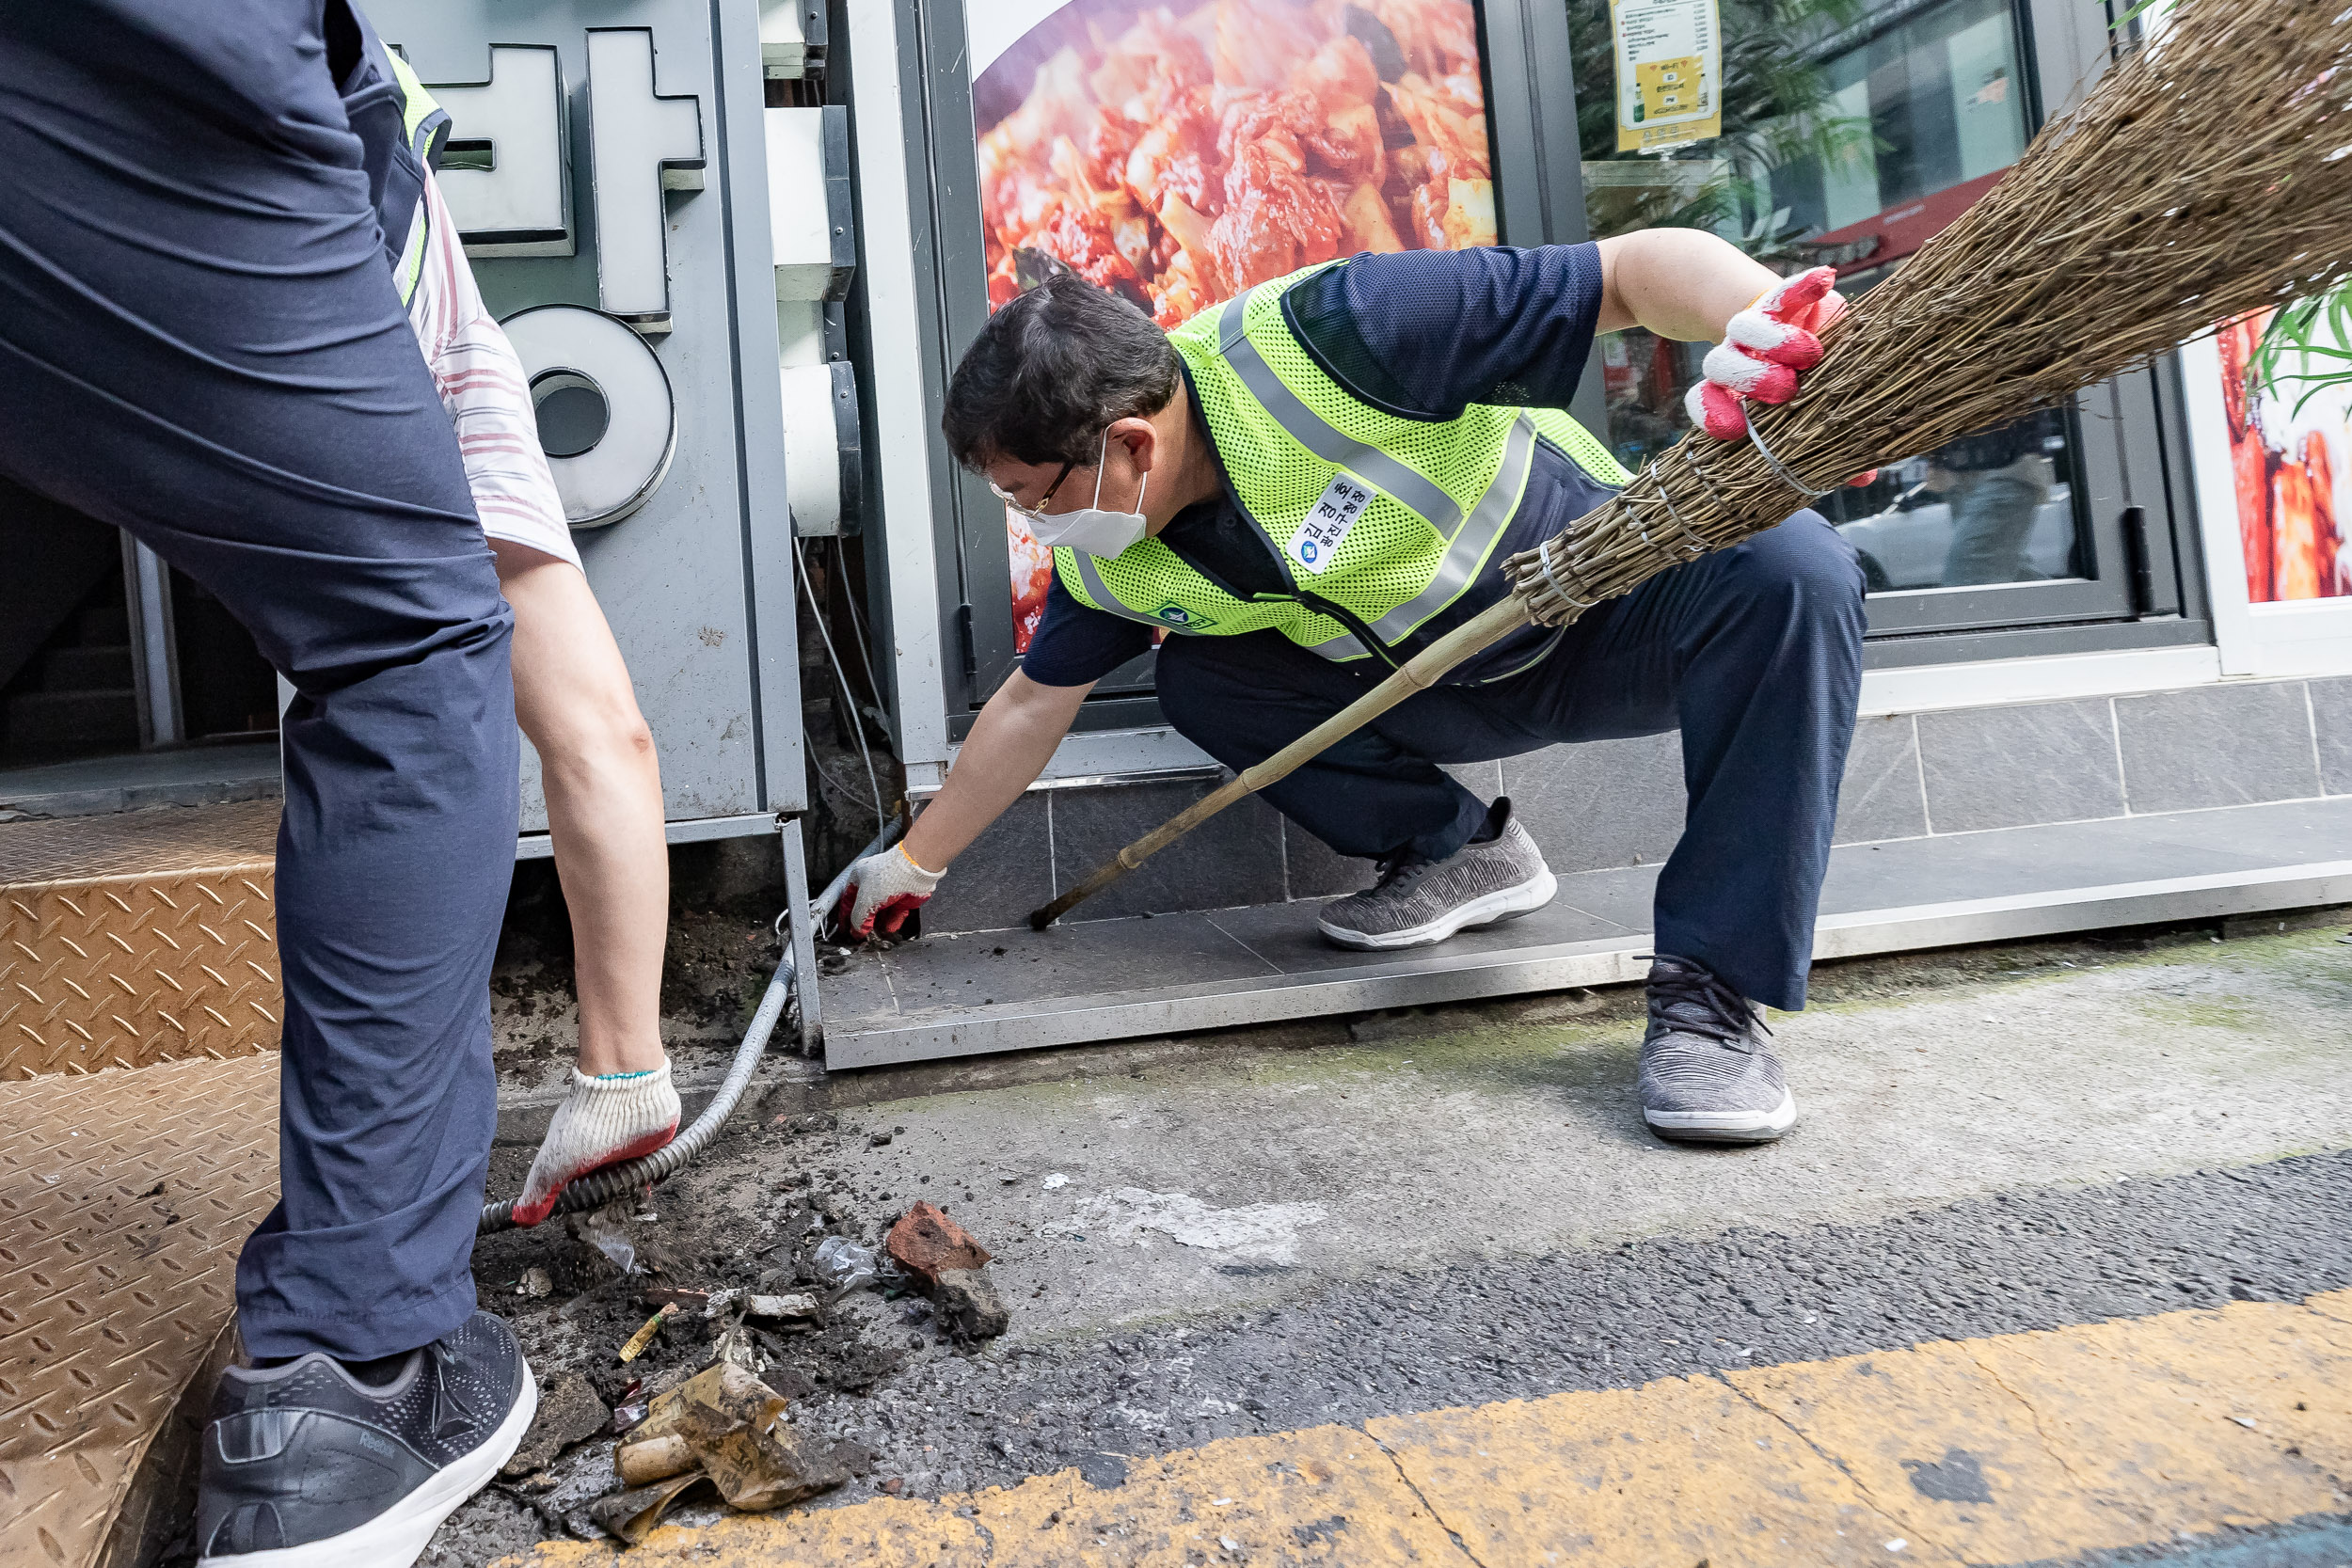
x: 865, y: 658
x: 857, y: 724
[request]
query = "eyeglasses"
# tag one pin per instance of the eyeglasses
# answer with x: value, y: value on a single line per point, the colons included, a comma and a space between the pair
x: 1031, y: 513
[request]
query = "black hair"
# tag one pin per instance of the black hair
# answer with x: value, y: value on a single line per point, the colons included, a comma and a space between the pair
x: 1051, y: 372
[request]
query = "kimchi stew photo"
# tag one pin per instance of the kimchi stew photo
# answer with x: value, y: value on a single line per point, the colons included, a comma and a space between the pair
x: 1180, y: 153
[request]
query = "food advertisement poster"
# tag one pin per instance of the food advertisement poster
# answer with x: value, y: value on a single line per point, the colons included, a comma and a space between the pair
x: 1670, y: 69
x: 2291, y: 464
x: 1179, y: 153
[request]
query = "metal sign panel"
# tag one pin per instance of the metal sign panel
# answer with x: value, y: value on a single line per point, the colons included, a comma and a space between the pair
x: 607, y: 168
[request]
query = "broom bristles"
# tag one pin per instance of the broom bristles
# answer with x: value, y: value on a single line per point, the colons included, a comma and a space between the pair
x: 2208, y: 173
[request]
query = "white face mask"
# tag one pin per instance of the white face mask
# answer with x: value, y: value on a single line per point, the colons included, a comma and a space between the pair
x: 1089, y: 528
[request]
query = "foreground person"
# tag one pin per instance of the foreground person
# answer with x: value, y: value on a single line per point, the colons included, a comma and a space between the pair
x: 1307, y: 484
x: 201, y: 343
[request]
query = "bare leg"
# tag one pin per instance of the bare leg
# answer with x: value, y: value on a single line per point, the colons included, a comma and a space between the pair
x: 603, y: 784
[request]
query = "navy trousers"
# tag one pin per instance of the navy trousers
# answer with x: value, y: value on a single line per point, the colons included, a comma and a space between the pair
x: 1754, y: 653
x: 200, y: 342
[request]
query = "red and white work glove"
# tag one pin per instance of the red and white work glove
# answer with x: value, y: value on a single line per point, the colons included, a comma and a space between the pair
x: 602, y: 1122
x: 1764, y: 348
x: 882, y: 891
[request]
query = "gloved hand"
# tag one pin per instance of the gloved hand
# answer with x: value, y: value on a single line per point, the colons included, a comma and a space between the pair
x: 1764, y: 348
x: 881, y: 891
x: 622, y: 1115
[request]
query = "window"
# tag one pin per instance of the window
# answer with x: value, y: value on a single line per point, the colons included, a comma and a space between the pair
x: 1852, y: 133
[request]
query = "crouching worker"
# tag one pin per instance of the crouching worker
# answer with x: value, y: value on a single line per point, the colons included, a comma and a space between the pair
x: 1310, y: 484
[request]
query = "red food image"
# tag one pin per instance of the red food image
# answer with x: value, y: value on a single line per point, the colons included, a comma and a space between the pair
x: 1180, y: 153
x: 1032, y: 575
x: 2304, y: 526
x: 2287, y: 515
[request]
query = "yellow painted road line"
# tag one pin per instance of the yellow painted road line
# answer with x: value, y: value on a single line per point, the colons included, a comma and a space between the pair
x: 2017, y: 1449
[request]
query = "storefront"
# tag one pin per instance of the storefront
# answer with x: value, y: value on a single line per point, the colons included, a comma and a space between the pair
x: 2133, y: 605
x: 2058, y: 608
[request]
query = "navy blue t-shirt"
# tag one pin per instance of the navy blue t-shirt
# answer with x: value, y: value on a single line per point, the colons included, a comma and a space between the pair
x: 1421, y: 334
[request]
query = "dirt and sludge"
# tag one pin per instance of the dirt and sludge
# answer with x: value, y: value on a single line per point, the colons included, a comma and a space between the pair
x: 732, y: 1257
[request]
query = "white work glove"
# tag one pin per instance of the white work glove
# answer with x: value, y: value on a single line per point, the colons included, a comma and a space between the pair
x: 603, y: 1121
x: 881, y: 891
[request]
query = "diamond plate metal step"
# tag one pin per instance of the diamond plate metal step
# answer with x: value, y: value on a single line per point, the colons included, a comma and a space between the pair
x: 125, y: 1196
x: 138, y: 938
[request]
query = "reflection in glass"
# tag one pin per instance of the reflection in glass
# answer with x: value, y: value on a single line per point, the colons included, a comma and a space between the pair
x: 1854, y: 131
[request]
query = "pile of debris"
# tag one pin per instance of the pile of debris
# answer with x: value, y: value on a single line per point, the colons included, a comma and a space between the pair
x: 724, y: 1425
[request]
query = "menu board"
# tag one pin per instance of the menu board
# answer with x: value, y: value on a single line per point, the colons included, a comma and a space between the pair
x: 1179, y: 153
x: 1669, y: 59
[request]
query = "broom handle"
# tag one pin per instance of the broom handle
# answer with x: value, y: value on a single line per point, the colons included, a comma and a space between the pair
x: 1417, y: 674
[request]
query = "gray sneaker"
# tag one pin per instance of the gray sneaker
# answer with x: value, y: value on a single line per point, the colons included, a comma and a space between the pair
x: 1417, y: 901
x: 1708, y: 1074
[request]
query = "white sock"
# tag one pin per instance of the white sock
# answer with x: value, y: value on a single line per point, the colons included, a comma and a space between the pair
x: 621, y: 1116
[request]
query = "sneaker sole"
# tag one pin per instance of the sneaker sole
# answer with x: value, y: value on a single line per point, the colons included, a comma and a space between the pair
x: 1725, y: 1127
x: 398, y: 1536
x: 1503, y: 904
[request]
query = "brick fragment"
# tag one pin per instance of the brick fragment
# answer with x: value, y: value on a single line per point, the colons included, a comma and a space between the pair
x: 925, y: 1241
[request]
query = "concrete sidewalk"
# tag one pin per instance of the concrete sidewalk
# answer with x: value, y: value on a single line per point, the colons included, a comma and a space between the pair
x: 1237, y: 1235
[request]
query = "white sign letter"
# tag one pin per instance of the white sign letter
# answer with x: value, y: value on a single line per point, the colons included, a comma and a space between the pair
x: 507, y: 174
x: 644, y: 143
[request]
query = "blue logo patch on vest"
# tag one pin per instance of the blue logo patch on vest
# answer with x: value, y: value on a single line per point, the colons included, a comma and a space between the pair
x: 1181, y: 619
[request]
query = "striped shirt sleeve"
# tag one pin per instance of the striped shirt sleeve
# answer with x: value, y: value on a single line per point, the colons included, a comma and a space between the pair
x: 482, y: 386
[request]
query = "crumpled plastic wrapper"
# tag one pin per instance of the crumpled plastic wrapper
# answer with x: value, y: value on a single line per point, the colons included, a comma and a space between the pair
x: 734, y: 1433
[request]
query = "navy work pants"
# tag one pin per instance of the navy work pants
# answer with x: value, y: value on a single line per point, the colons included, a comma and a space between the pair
x: 200, y: 342
x: 1754, y: 653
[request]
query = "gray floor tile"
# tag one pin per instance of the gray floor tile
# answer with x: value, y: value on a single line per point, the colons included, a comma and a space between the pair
x: 995, y: 883
x: 1880, y: 797
x: 2331, y: 716
x: 1234, y: 857
x: 2296, y: 832
x: 2014, y: 766
x: 2015, y: 860
x: 1010, y: 968
x: 1603, y: 803
x: 2217, y: 746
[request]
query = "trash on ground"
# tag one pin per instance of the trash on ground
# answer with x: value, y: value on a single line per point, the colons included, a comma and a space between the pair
x: 633, y: 1514
x: 569, y: 1411
x: 731, y: 1428
x: 653, y: 1459
x: 625, y: 1416
x: 1055, y: 1181
x: 644, y: 1337
x: 842, y: 1264
x: 925, y: 1241
x: 606, y: 1230
x: 967, y: 1302
x: 776, y: 1309
x: 535, y: 1283
x: 671, y: 1296
x: 953, y: 1268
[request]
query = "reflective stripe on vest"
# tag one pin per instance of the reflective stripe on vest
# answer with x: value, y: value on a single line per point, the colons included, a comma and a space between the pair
x: 1399, y: 481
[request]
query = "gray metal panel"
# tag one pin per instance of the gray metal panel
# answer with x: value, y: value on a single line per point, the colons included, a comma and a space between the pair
x: 696, y: 583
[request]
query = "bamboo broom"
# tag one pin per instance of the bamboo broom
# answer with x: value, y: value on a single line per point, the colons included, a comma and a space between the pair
x: 2208, y: 174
